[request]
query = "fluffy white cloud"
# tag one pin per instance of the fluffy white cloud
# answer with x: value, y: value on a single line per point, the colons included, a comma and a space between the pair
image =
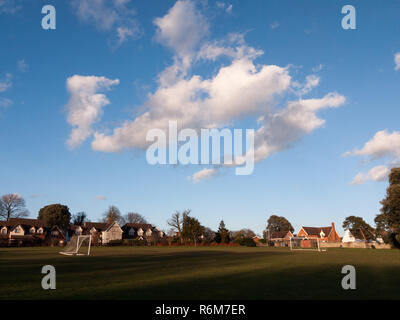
x: 109, y: 15
x: 182, y: 29
x: 237, y: 90
x: 382, y: 145
x: 397, y: 61
x: 102, y: 198
x: 85, y: 105
x: 282, y: 128
x: 203, y: 174
x: 378, y: 173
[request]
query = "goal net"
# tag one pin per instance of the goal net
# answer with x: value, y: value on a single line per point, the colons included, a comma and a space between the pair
x: 78, y: 245
x: 304, y: 243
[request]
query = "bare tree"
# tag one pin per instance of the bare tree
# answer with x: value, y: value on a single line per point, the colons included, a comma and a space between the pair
x: 79, y: 219
x: 113, y: 214
x: 12, y: 206
x: 133, y: 217
x: 176, y: 222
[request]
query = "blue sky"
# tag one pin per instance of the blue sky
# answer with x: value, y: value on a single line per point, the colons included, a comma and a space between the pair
x: 334, y: 162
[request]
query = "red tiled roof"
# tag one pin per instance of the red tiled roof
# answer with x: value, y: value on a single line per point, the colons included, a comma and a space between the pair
x: 313, y: 231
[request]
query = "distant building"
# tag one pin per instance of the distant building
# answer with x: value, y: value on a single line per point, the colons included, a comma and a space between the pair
x: 280, y: 238
x: 101, y: 232
x: 141, y: 231
x: 20, y: 232
x: 327, y: 234
x: 348, y: 237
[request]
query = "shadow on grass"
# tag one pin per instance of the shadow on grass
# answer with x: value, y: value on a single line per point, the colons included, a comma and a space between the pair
x: 200, y: 274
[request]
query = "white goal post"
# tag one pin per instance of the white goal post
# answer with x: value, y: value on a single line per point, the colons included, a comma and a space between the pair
x: 78, y: 246
x: 305, y: 244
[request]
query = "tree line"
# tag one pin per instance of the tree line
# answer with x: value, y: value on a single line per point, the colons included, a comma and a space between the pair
x: 187, y: 229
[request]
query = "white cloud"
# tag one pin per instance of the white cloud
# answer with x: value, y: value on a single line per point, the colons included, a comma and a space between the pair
x: 4, y: 102
x: 102, y: 198
x: 182, y: 29
x: 22, y: 65
x: 318, y: 68
x: 203, y: 174
x: 397, y: 61
x: 382, y: 145
x: 9, y: 6
x: 112, y: 16
x: 281, y: 129
x: 5, y: 83
x: 311, y: 82
x: 274, y: 25
x: 227, y: 7
x: 378, y: 173
x: 85, y: 106
x: 238, y: 89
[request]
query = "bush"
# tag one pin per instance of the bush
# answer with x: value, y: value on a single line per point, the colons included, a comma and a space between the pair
x: 115, y: 243
x: 246, y: 242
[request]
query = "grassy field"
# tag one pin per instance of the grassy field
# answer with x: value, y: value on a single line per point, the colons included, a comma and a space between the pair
x: 199, y: 273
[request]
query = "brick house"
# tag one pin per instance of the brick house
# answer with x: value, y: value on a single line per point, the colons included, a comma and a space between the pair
x: 326, y: 234
x: 280, y: 238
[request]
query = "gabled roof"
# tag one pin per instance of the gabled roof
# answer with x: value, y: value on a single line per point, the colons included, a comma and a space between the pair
x: 13, y: 222
x: 313, y: 231
x: 101, y: 226
x: 109, y: 226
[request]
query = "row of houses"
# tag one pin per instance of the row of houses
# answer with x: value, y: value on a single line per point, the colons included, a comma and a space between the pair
x: 36, y: 232
x: 323, y: 234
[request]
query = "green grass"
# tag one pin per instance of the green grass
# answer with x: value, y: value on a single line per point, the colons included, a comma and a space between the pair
x: 199, y: 273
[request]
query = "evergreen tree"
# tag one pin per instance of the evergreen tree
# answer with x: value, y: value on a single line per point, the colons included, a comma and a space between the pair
x: 222, y: 236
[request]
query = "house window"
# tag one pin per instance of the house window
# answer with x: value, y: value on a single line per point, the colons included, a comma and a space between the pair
x: 17, y: 230
x: 54, y: 233
x: 148, y: 233
x: 4, y: 230
x: 140, y: 232
x: 32, y: 230
x: 132, y: 232
x: 40, y: 231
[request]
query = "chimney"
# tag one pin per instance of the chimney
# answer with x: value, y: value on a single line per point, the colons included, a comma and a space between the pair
x: 333, y: 225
